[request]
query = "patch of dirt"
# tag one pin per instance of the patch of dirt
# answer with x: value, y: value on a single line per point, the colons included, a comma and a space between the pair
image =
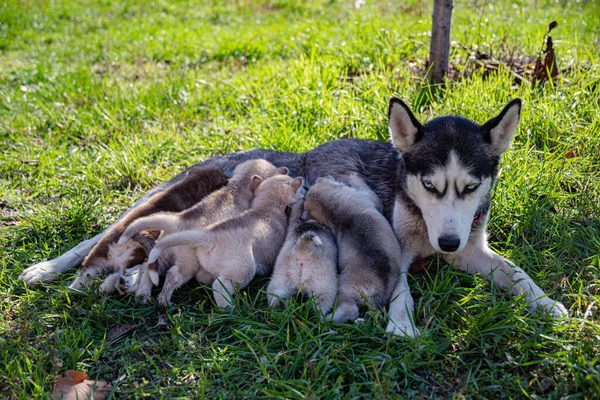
x: 8, y: 215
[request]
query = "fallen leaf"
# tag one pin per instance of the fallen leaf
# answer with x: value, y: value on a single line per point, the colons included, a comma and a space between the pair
x: 76, y: 376
x: 119, y: 331
x: 571, y: 154
x: 72, y: 385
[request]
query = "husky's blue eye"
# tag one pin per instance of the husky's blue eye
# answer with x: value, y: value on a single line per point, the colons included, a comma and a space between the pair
x: 429, y: 186
x: 471, y: 188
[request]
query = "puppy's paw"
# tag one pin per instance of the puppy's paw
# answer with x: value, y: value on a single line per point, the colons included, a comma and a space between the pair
x: 273, y: 301
x: 143, y: 294
x: 344, y: 313
x: 164, y: 300
x: 403, y: 328
x: 130, y: 280
x: 111, y: 284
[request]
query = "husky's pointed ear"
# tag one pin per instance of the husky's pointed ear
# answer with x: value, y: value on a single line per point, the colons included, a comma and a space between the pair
x: 256, y: 181
x: 405, y: 130
x: 499, y: 131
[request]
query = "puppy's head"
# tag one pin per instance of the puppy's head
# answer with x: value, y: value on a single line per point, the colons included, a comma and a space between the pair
x: 260, y: 167
x: 279, y: 190
x: 326, y: 194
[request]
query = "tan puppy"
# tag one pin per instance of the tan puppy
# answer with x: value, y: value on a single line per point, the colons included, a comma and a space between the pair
x: 233, y: 251
x: 229, y: 201
x: 107, y: 256
x: 369, y: 252
x: 307, y: 262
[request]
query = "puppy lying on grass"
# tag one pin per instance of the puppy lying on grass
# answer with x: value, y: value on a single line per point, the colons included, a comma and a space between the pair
x: 227, y: 202
x: 233, y: 251
x: 369, y: 252
x: 108, y: 256
x: 307, y: 262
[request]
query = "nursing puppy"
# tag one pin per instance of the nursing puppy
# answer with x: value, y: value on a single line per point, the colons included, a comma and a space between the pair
x: 225, y: 203
x: 369, y: 252
x: 307, y: 262
x: 233, y: 251
x: 108, y: 256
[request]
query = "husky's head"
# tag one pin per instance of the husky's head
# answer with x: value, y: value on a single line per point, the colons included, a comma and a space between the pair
x: 451, y: 163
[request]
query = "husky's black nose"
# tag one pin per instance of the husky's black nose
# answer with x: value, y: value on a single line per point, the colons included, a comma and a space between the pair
x: 449, y: 243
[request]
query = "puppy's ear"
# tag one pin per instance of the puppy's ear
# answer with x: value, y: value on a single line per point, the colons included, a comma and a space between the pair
x: 256, y: 181
x: 296, y: 184
x: 499, y: 131
x: 283, y: 170
x: 405, y: 130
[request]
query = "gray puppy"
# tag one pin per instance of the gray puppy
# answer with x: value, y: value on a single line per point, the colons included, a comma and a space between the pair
x: 368, y: 249
x: 307, y: 262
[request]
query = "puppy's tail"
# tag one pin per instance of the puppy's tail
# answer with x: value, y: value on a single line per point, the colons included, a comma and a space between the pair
x: 158, y: 222
x: 185, y: 238
x: 309, y: 239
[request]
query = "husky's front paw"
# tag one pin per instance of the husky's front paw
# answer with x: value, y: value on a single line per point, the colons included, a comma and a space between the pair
x: 403, y: 328
x: 556, y: 309
x: 37, y: 273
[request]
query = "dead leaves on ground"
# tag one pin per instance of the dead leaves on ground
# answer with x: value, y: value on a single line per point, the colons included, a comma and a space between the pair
x: 73, y: 385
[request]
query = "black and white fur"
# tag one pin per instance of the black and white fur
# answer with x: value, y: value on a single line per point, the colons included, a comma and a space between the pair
x: 434, y: 182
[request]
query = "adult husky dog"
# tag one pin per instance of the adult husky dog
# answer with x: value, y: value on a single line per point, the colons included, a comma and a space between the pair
x: 434, y: 182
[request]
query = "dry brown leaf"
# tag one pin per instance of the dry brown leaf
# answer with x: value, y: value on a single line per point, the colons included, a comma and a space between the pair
x: 548, y: 68
x: 571, y: 154
x: 72, y: 385
x: 119, y: 331
x: 76, y: 376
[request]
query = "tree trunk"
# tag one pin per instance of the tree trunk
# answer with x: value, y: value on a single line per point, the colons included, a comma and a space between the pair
x: 439, y: 50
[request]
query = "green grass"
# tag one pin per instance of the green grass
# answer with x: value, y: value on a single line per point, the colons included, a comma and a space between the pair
x: 101, y: 100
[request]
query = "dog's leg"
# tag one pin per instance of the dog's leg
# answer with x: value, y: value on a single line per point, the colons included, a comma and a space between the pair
x: 223, y: 289
x: 50, y: 269
x: 182, y: 272
x: 279, y: 289
x: 145, y: 285
x: 324, y: 290
x: 478, y: 258
x: 111, y: 284
x: 401, y: 310
x: 235, y: 273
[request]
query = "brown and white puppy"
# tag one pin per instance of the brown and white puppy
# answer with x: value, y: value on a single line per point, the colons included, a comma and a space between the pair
x: 369, y: 252
x: 233, y: 251
x: 306, y: 262
x: 108, y: 256
x: 225, y: 203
